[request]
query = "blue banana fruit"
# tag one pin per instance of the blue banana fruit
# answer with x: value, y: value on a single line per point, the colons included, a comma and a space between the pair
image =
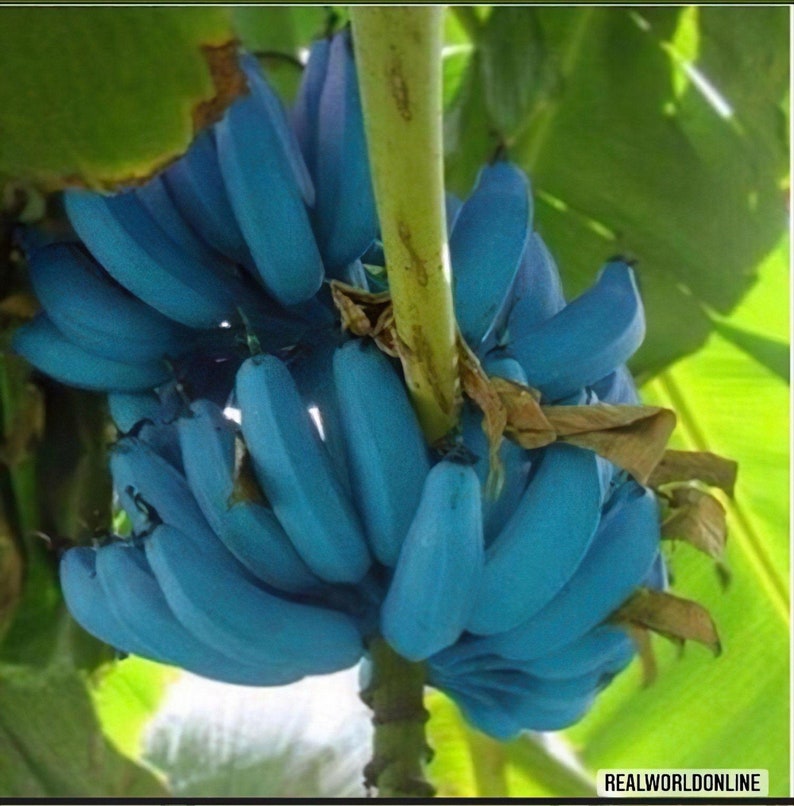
x: 256, y: 159
x: 88, y: 603
x: 156, y: 197
x: 306, y: 108
x: 430, y: 596
x: 208, y: 591
x: 196, y: 185
x: 536, y: 294
x: 617, y: 388
x: 345, y: 218
x: 386, y: 451
x: 136, y: 251
x: 151, y: 490
x: 605, y: 644
x: 98, y: 315
x: 621, y: 555
x: 127, y: 409
x: 246, y: 527
x: 296, y: 473
x: 485, y: 247
x: 587, y: 339
x: 135, y: 598
x: 51, y: 352
x: 543, y: 543
x: 312, y: 369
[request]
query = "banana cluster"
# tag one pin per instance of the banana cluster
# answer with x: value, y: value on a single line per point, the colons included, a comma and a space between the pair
x: 285, y: 507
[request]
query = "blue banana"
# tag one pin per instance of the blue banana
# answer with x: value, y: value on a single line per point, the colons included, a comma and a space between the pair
x: 386, y: 451
x: 544, y: 541
x: 196, y: 185
x: 207, y: 592
x: 135, y: 250
x: 536, y: 294
x: 296, y: 474
x: 95, y: 313
x: 603, y: 645
x: 256, y: 158
x: 617, y: 388
x: 127, y: 409
x: 306, y: 109
x: 151, y: 490
x: 430, y: 596
x: 485, y: 247
x: 246, y: 527
x: 135, y: 598
x: 89, y: 605
x: 44, y: 346
x: 313, y: 372
x: 622, y: 553
x: 587, y: 339
x: 346, y: 220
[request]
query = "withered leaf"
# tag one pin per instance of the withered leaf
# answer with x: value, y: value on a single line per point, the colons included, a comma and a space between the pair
x: 671, y: 616
x: 246, y: 488
x: 526, y: 423
x: 360, y: 310
x: 711, y: 469
x: 632, y: 437
x: 642, y: 641
x: 697, y: 518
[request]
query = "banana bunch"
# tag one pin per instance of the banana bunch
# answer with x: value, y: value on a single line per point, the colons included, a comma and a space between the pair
x: 285, y: 507
x: 232, y: 243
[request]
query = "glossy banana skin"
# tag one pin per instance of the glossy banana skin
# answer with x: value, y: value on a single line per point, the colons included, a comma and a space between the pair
x: 441, y: 560
x: 296, y: 474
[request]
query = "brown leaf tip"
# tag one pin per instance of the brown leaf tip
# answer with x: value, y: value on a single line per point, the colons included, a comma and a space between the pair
x: 228, y: 80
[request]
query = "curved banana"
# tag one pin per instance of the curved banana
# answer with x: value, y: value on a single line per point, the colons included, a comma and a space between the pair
x: 485, y: 247
x: 536, y: 294
x: 430, y: 595
x: 587, y: 339
x: 51, y: 352
x: 88, y: 603
x: 136, y: 251
x: 151, y: 490
x: 211, y: 595
x: 621, y: 555
x: 196, y: 185
x: 386, y: 451
x: 137, y: 601
x: 306, y: 108
x: 95, y: 313
x: 544, y: 541
x: 617, y: 388
x: 346, y: 219
x: 127, y: 409
x: 245, y: 526
x: 256, y: 159
x: 296, y: 474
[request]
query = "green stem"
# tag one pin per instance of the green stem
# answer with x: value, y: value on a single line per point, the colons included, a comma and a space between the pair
x: 400, y: 749
x: 398, y: 56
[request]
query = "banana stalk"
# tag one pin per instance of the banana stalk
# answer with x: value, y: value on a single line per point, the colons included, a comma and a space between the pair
x: 398, y: 57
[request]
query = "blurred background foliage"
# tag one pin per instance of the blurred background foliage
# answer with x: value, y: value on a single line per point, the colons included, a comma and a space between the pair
x: 660, y: 133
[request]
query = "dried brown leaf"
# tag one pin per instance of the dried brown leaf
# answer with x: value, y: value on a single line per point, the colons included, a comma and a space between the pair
x: 642, y: 641
x: 671, y: 616
x: 632, y: 437
x: 697, y: 518
x: 526, y: 423
x: 711, y: 469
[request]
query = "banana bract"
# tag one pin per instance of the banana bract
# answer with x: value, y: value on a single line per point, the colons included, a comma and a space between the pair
x: 284, y: 505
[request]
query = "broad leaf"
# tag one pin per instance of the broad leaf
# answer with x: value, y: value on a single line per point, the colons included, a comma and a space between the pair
x: 51, y: 744
x: 102, y: 96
